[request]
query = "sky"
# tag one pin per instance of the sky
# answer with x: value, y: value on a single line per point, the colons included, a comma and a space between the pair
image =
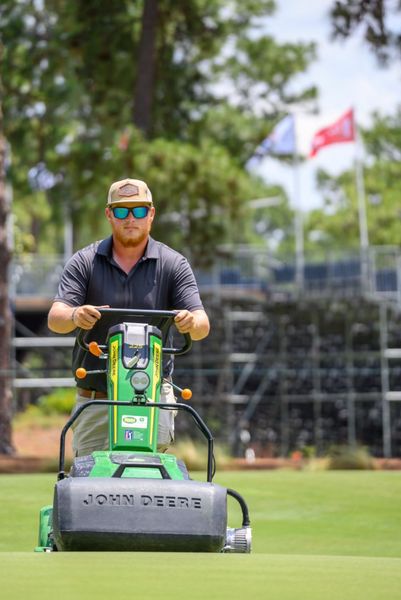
x: 347, y: 75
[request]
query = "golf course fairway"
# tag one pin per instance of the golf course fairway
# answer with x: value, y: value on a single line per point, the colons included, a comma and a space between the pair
x: 316, y: 535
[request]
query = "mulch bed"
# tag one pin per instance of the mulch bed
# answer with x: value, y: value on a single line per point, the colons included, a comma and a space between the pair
x: 33, y: 464
x: 37, y: 450
x: 23, y: 464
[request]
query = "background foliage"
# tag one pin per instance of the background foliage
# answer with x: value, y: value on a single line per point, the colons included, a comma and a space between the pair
x: 82, y: 99
x: 177, y: 93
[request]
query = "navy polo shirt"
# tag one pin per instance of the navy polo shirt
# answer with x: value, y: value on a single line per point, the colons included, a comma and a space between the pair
x: 161, y: 280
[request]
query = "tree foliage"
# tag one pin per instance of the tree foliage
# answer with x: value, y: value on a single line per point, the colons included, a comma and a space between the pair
x: 75, y: 75
x: 373, y: 18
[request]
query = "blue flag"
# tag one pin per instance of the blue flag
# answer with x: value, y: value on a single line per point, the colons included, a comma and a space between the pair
x: 280, y: 142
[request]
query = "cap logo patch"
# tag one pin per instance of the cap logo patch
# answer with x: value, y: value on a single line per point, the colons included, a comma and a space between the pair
x: 128, y: 190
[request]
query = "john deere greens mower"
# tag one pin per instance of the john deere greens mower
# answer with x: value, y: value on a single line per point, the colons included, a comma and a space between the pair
x: 131, y: 497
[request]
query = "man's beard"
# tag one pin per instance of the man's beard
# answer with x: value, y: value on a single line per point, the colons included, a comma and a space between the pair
x: 128, y: 240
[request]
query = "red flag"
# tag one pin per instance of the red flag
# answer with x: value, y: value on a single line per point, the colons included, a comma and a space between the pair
x: 342, y: 130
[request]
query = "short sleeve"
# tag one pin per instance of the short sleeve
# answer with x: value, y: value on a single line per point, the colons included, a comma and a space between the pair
x: 185, y: 292
x: 74, y: 281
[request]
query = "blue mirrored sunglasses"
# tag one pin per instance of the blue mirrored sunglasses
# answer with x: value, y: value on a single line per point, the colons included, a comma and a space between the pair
x: 122, y: 212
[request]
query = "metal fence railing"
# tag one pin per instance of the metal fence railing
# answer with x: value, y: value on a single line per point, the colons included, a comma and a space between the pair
x: 377, y: 274
x: 33, y: 275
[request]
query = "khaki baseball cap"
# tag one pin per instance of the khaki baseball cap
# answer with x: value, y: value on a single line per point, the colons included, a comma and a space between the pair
x: 129, y: 190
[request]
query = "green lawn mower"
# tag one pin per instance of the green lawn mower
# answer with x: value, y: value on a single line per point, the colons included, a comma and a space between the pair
x: 131, y: 497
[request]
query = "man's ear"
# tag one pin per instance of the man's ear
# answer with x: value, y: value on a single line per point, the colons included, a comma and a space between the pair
x: 107, y: 212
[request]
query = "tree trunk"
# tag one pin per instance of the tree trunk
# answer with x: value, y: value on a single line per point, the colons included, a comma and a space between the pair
x: 5, y: 315
x: 144, y: 87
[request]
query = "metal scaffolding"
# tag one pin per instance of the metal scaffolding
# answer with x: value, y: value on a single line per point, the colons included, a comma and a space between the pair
x: 285, y: 367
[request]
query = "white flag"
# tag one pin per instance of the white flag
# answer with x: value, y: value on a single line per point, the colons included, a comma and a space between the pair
x: 280, y: 142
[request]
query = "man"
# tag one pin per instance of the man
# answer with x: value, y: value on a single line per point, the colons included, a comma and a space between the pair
x: 127, y: 270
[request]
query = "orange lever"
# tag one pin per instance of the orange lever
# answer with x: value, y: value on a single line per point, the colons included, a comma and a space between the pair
x: 80, y: 373
x: 186, y: 394
x: 94, y: 349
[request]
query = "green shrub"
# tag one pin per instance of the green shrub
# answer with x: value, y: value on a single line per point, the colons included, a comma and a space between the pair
x: 348, y: 458
x: 309, y: 452
x: 58, y: 402
x: 33, y: 417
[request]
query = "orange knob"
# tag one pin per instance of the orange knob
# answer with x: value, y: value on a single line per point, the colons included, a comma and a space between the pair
x: 186, y: 394
x: 80, y: 373
x: 94, y: 349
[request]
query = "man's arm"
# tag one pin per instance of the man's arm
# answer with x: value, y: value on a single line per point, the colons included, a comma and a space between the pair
x: 64, y: 319
x: 196, y: 323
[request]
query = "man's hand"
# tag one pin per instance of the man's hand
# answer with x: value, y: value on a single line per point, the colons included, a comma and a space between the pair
x: 184, y: 321
x: 195, y: 323
x: 86, y: 316
x: 63, y: 318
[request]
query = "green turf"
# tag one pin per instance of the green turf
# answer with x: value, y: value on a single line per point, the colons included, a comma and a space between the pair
x: 328, y: 512
x: 316, y: 535
x: 196, y: 577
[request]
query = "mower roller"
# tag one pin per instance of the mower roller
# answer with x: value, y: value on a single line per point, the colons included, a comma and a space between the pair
x: 132, y: 497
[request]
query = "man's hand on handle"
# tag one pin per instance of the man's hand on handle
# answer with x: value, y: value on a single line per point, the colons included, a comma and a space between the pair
x: 196, y: 323
x: 64, y: 318
x: 86, y: 316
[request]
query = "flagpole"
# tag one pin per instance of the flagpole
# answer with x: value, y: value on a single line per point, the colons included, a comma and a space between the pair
x: 345, y: 129
x: 282, y: 141
x: 298, y: 220
x: 362, y: 212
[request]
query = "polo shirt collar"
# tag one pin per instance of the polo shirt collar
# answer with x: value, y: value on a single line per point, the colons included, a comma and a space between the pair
x: 105, y: 246
x: 151, y: 250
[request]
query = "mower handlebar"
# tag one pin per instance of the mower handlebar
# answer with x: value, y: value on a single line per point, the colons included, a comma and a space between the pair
x: 158, y: 405
x: 165, y: 315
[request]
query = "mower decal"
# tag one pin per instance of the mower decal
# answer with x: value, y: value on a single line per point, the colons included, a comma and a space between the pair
x: 157, y: 351
x: 114, y: 379
x: 132, y: 421
x: 152, y: 500
x: 131, y: 435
